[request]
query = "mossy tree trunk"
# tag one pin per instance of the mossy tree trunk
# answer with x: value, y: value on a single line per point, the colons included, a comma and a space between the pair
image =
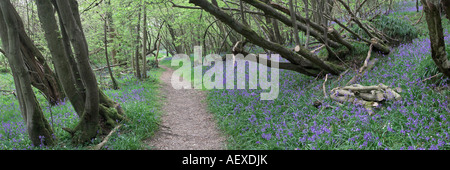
x: 38, y: 128
x: 434, y: 23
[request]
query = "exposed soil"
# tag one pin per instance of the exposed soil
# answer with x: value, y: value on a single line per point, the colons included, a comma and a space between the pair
x: 186, y: 124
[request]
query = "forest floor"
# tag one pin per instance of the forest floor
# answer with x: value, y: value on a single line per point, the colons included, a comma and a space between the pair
x: 186, y: 124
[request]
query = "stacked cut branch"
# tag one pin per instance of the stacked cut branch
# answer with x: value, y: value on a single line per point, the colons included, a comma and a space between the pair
x: 366, y: 96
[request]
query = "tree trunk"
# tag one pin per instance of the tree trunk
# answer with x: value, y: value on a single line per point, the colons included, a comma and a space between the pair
x: 112, y: 32
x: 38, y: 128
x: 446, y: 7
x: 60, y: 59
x: 42, y: 77
x: 293, y: 20
x: 157, y: 52
x: 417, y: 5
x: 113, y: 80
x: 434, y: 22
x: 136, y: 55
x: 305, y: 2
x: 89, y: 124
x: 144, y: 42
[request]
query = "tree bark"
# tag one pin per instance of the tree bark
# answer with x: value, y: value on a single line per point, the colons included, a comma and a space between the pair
x: 434, y: 23
x: 293, y: 20
x: 136, y: 55
x: 144, y: 42
x: 111, y: 31
x: 61, y: 61
x: 42, y: 77
x: 89, y: 123
x: 445, y: 4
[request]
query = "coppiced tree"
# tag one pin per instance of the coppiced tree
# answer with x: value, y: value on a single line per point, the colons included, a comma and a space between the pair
x: 41, y: 75
x: 98, y: 114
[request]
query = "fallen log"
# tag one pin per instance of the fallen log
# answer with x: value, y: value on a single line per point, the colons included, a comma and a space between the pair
x: 379, y: 46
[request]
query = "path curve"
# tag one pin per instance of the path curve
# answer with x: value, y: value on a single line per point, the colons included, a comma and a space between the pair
x: 186, y: 124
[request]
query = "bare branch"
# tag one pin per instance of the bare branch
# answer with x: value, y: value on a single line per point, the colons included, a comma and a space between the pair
x: 230, y: 9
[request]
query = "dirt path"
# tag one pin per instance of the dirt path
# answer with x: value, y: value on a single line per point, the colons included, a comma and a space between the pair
x: 186, y: 123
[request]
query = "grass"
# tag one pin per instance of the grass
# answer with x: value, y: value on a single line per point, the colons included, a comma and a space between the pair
x: 419, y: 121
x: 139, y: 99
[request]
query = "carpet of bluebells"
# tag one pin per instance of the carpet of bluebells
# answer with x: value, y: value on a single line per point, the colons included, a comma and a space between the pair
x: 420, y: 121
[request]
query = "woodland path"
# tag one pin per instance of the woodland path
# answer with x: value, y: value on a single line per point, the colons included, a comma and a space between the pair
x: 186, y: 123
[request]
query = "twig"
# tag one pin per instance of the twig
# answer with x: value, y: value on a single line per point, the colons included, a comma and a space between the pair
x: 100, y: 145
x: 419, y: 19
x: 315, y: 50
x: 7, y: 92
x: 341, y: 75
x: 92, y: 5
x: 429, y: 78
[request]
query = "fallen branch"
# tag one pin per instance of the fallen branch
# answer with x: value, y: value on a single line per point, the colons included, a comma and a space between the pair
x: 317, y: 49
x: 366, y: 96
x: 429, y: 78
x: 359, y: 88
x: 341, y: 75
x: 100, y: 145
x: 366, y: 67
x: 419, y: 19
x: 7, y: 92
x: 101, y: 68
x: 367, y: 59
